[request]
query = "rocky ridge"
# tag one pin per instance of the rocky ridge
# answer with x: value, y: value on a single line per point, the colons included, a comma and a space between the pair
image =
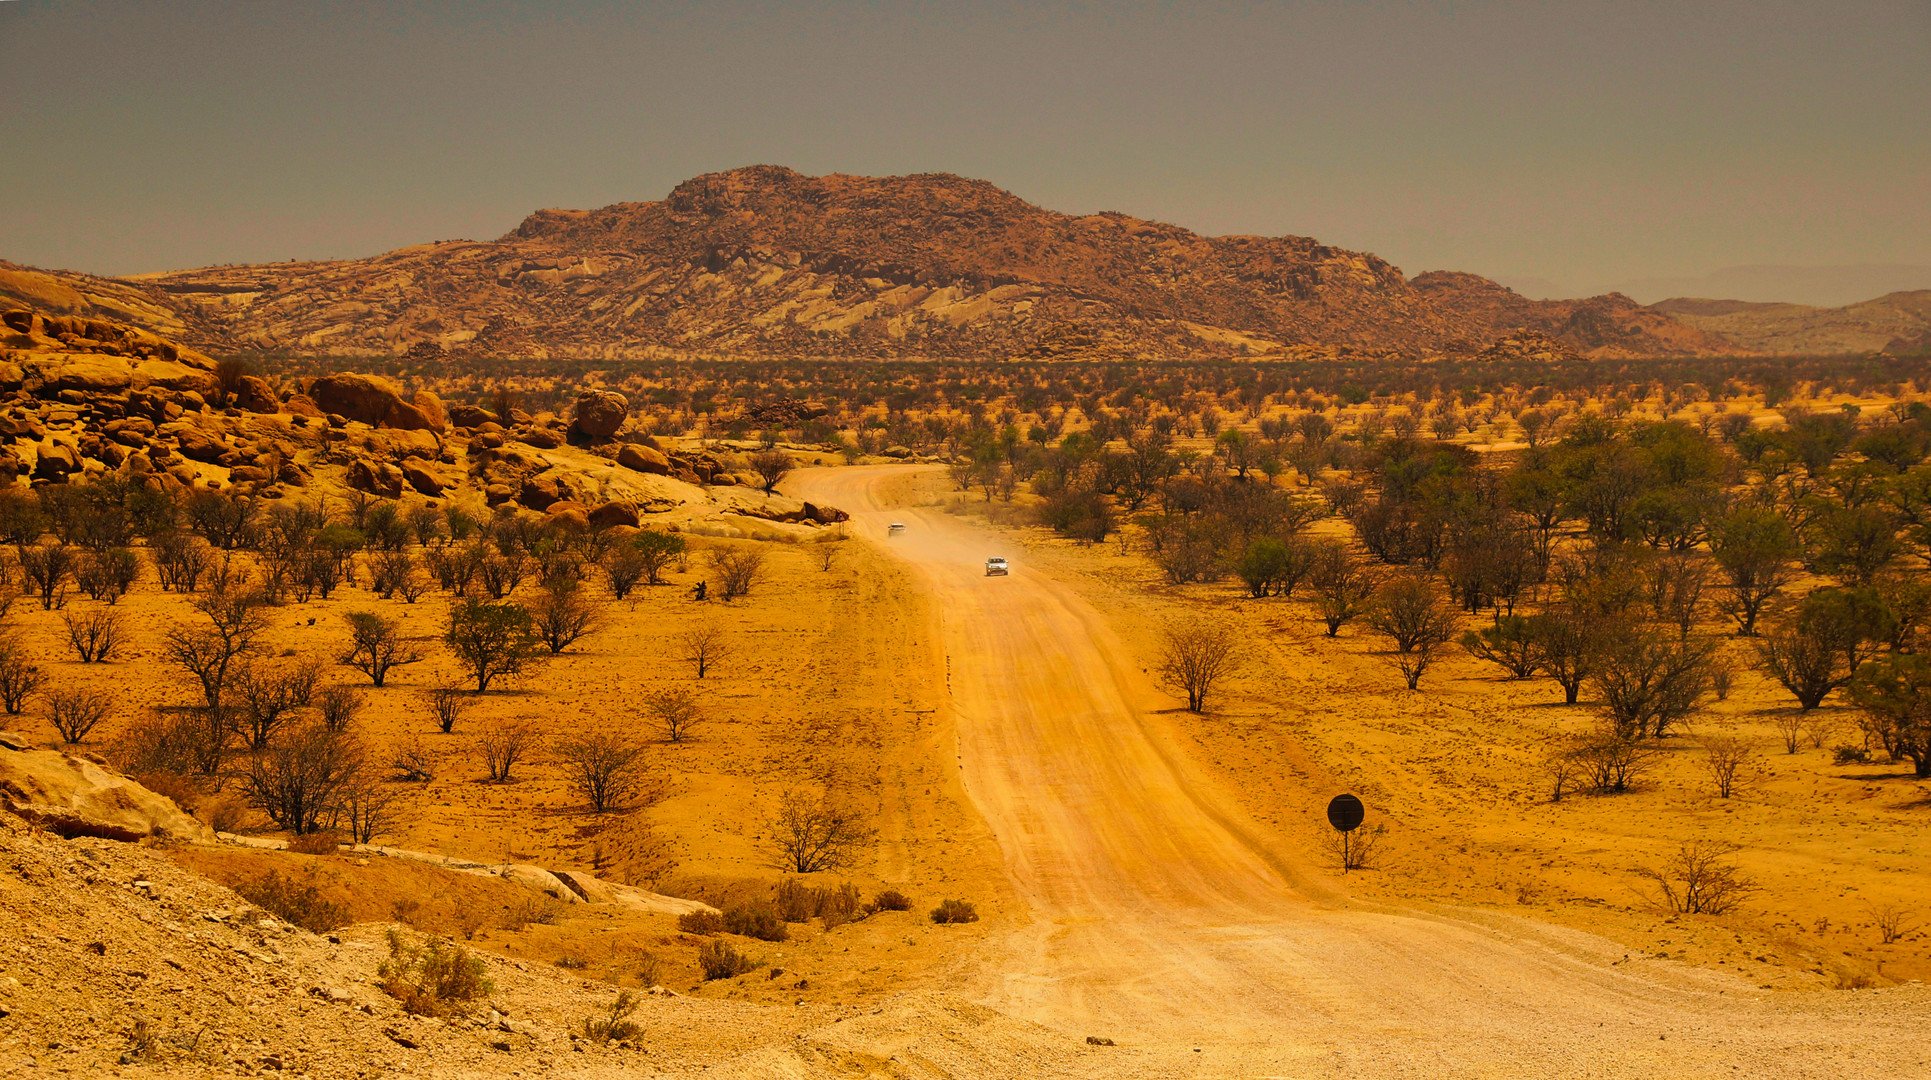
x: 85, y: 398
x: 1897, y: 323
x: 767, y: 261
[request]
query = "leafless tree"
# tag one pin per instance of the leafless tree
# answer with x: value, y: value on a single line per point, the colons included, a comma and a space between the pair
x: 1198, y: 656
x: 1342, y: 586
x: 20, y: 679
x: 265, y: 700
x: 415, y: 763
x: 814, y: 834
x: 702, y: 647
x: 1702, y: 879
x: 1725, y: 758
x: 1648, y: 681
x: 676, y: 710
x: 737, y: 570
x: 75, y: 713
x: 208, y: 653
x: 368, y: 807
x: 95, y: 635
x: 302, y: 782
x: 448, y: 704
x: 564, y: 612
x: 339, y: 705
x: 603, y: 768
x: 47, y: 566
x: 376, y: 646
x: 506, y: 744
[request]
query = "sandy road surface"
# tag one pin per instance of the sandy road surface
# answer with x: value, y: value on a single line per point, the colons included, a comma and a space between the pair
x: 1164, y: 921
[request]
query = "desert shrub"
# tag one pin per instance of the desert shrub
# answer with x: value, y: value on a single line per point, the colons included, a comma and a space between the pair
x: 1611, y: 761
x: 376, y: 646
x: 415, y: 763
x: 891, y: 900
x: 75, y: 713
x: 737, y: 570
x: 338, y: 705
x: 676, y: 711
x: 1197, y: 657
x: 614, y: 1024
x: 298, y: 903
x: 19, y: 679
x: 1725, y: 757
x: 435, y: 978
x: 839, y: 906
x: 721, y: 960
x: 326, y: 842
x: 448, y: 704
x: 1850, y: 755
x: 603, y: 768
x: 1510, y: 643
x: 106, y: 576
x: 702, y: 921
x: 540, y: 910
x: 301, y: 781
x: 796, y: 902
x: 1700, y: 879
x: 504, y: 745
x: 702, y: 647
x: 563, y: 612
x: 491, y: 640
x: 816, y: 834
x: 955, y: 911
x: 762, y: 923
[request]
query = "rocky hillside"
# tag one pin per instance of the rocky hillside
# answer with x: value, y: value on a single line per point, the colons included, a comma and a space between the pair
x: 90, y: 397
x: 1898, y: 323
x: 766, y: 261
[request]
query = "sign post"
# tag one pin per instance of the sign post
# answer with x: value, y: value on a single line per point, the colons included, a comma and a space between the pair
x: 1346, y: 813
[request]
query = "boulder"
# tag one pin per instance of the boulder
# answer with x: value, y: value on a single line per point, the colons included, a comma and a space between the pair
x: 55, y: 461
x: 431, y: 408
x: 469, y: 416
x: 643, y: 459
x: 541, y: 438
x: 570, y: 516
x: 614, y: 513
x: 73, y: 797
x: 539, y: 492
x: 424, y: 481
x: 170, y: 375
x: 255, y: 395
x: 370, y: 399
x: 825, y: 515
x: 599, y: 414
x: 377, y: 479
x: 303, y: 405
x: 199, y: 445
x: 97, y: 374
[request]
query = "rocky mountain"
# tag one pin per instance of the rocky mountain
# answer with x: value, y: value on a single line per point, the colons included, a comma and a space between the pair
x: 1898, y: 323
x: 766, y: 261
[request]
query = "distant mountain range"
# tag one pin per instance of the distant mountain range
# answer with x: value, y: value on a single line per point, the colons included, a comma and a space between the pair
x: 765, y: 261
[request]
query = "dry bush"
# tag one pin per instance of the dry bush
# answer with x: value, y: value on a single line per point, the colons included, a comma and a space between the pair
x: 721, y: 960
x: 298, y: 903
x: 954, y: 911
x: 263, y: 700
x: 96, y: 635
x: 415, y: 763
x: 326, y: 842
x: 702, y: 647
x: 19, y: 678
x: 75, y: 713
x: 433, y: 978
x: 601, y: 767
x: 448, y: 704
x: 1354, y: 850
x: 564, y: 612
x: 737, y: 570
x: 537, y: 910
x: 1611, y: 761
x: 376, y: 646
x: 675, y: 710
x: 368, y: 809
x: 301, y: 781
x: 1197, y: 657
x: 889, y: 900
x: 616, y: 1023
x: 1790, y: 727
x: 506, y: 744
x: 1894, y: 922
x: 816, y: 834
x: 702, y: 921
x: 757, y: 921
x: 1726, y: 758
x: 1701, y: 880
x: 338, y: 705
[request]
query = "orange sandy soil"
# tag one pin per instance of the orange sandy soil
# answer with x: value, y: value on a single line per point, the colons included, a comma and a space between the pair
x: 830, y: 684
x: 1455, y: 772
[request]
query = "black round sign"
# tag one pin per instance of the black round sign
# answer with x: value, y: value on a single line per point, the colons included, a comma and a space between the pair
x: 1345, y: 813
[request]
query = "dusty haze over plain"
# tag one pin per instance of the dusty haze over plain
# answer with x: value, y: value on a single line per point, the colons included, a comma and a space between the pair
x: 1646, y: 147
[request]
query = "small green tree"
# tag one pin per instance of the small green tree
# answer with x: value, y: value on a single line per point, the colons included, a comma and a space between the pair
x: 376, y: 646
x: 491, y: 640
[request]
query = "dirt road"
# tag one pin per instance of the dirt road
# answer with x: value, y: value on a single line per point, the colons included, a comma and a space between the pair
x: 1163, y: 920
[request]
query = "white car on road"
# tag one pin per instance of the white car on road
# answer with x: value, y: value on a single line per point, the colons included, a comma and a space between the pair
x: 996, y: 565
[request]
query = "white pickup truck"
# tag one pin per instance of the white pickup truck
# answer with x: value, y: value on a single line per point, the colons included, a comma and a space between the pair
x: 996, y: 565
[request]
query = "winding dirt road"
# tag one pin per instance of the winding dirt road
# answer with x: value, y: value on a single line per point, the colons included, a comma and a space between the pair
x: 1162, y: 919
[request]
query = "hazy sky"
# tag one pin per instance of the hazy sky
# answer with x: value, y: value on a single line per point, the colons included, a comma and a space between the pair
x: 1583, y: 145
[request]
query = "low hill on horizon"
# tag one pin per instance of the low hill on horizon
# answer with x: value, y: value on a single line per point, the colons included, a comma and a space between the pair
x: 765, y: 261
x: 1898, y: 323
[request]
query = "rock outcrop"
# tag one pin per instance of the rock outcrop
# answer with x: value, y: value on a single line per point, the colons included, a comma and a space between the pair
x: 73, y: 796
x: 767, y: 261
